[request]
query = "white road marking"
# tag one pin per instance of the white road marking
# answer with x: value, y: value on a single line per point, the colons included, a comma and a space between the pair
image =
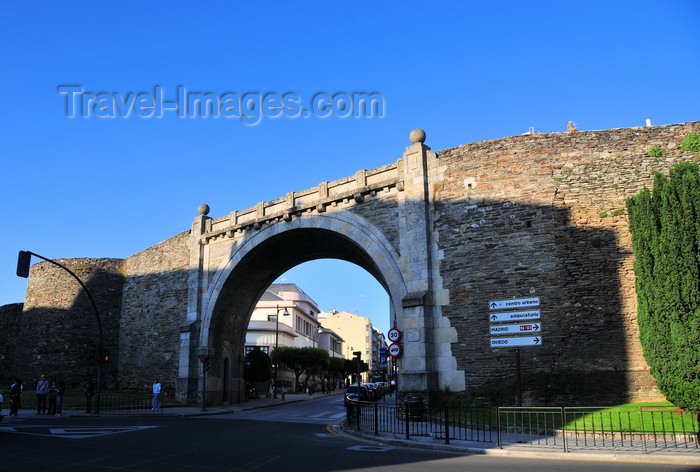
x: 370, y: 448
x: 74, y: 432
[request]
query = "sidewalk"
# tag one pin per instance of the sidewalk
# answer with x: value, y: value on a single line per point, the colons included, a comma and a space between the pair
x: 594, y: 454
x: 674, y: 456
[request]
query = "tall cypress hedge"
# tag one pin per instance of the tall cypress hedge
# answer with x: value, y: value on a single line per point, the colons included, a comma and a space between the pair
x: 665, y: 228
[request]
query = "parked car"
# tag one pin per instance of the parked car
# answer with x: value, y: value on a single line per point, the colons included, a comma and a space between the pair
x: 351, y: 394
x: 375, y: 391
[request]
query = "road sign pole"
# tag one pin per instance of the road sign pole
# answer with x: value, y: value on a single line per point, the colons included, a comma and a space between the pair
x: 204, y: 389
x: 518, y: 383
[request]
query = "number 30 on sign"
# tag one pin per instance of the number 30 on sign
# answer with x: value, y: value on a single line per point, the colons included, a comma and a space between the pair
x: 394, y: 335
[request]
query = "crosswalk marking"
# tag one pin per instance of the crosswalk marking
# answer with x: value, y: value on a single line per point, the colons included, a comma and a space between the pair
x: 72, y: 432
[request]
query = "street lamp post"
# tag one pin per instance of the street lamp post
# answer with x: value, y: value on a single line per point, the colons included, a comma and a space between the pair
x: 277, y: 335
x: 23, y: 263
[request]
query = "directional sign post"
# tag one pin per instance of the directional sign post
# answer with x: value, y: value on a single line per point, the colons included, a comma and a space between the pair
x: 527, y: 328
x: 519, y: 303
x: 514, y: 316
x: 517, y: 341
x: 516, y: 328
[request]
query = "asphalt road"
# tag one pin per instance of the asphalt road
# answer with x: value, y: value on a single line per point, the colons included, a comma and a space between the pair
x: 292, y: 437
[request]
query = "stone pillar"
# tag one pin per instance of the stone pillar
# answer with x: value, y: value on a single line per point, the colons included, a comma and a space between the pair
x: 418, y: 372
x: 189, y: 366
x: 426, y: 364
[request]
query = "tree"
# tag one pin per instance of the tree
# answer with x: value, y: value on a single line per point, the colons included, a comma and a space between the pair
x: 665, y: 227
x: 260, y: 369
x: 300, y: 359
x: 316, y: 360
x: 350, y: 368
x: 336, y: 368
x: 292, y: 357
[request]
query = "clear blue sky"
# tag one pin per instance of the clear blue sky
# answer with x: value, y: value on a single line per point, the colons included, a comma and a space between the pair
x: 463, y: 71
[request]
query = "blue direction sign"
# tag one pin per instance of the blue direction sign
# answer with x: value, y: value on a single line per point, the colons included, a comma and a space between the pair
x: 514, y: 315
x: 516, y: 328
x: 517, y: 341
x: 519, y: 303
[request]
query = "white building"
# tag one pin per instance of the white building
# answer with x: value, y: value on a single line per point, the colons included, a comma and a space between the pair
x: 358, y: 335
x: 269, y: 326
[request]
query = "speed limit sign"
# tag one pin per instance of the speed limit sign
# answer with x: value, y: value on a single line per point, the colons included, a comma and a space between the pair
x: 394, y: 335
x: 394, y: 350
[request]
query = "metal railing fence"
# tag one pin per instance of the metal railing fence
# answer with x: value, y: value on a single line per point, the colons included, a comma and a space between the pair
x: 130, y: 402
x: 109, y: 402
x: 639, y: 428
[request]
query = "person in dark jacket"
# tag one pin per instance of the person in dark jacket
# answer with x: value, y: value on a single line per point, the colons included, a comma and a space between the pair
x: 15, y: 397
x: 89, y: 391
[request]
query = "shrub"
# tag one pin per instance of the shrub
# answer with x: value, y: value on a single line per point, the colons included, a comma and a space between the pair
x: 655, y: 151
x: 691, y: 142
x: 665, y: 228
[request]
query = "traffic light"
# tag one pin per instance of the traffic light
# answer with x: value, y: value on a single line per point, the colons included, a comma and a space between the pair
x: 358, y: 356
x: 105, y: 357
x: 205, y: 364
x: 23, y: 260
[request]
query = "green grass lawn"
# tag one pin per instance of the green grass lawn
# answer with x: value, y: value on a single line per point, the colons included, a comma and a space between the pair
x: 633, y: 417
x: 659, y: 417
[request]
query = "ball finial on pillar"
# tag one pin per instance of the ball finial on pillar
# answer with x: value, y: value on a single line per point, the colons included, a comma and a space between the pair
x: 203, y: 209
x: 417, y: 136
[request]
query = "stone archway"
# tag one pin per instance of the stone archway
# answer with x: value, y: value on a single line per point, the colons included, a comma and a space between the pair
x: 381, y: 220
x: 259, y: 257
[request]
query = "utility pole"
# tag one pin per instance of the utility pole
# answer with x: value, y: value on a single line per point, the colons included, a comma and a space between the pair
x: 23, y: 262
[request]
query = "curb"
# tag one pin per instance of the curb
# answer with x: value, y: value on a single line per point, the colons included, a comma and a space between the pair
x: 593, y: 456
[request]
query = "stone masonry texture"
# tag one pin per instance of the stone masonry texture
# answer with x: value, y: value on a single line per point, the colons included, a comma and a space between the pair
x: 526, y: 216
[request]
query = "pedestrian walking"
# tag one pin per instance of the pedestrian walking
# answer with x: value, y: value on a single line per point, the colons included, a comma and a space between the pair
x: 155, y: 403
x: 15, y: 397
x: 53, y: 394
x: 283, y: 392
x: 59, y: 398
x: 42, y: 390
x: 89, y: 391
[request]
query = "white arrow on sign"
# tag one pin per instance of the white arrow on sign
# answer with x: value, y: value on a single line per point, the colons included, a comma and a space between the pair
x: 516, y: 328
x: 519, y: 303
x: 514, y: 315
x: 517, y: 341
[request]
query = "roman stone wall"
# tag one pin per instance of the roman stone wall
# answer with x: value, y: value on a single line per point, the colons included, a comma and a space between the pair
x: 153, y: 310
x: 527, y: 216
x: 57, y: 330
x: 10, y: 316
x: 544, y: 216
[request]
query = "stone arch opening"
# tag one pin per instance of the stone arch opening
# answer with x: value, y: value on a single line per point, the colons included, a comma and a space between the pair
x: 258, y: 260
